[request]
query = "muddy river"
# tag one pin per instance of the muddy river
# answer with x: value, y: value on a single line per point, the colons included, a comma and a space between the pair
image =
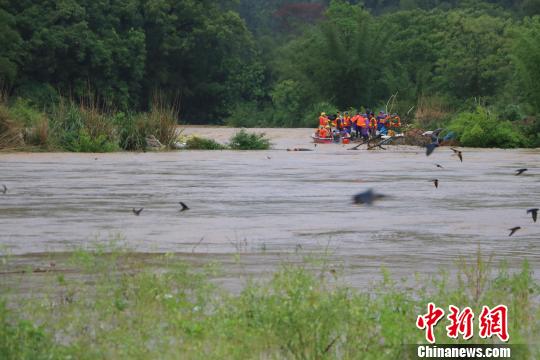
x: 267, y: 205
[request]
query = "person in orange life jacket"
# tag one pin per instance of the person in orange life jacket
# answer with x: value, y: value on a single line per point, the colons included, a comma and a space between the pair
x: 363, y: 124
x: 381, y: 120
x: 372, y: 125
x: 354, y: 123
x: 323, y: 120
x: 347, y: 123
x: 396, y: 121
x: 331, y: 119
x: 323, y: 133
x: 339, y: 123
x: 338, y: 117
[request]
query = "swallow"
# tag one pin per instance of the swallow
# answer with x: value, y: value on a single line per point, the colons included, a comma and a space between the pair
x: 4, y: 189
x: 137, y: 212
x: 534, y: 213
x: 367, y: 197
x: 435, y: 182
x: 431, y: 147
x: 268, y: 157
x: 439, y: 166
x: 513, y: 230
x: 458, y: 153
x: 520, y: 171
x: 184, y: 206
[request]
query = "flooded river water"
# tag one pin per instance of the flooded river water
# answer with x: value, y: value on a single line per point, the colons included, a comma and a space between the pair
x: 268, y: 204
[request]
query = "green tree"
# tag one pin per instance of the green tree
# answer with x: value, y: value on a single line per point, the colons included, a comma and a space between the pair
x: 474, y: 61
x: 526, y: 56
x: 10, y: 48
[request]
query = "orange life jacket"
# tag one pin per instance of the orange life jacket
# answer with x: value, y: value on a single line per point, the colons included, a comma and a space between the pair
x: 396, y: 121
x: 372, y: 122
x: 347, y: 121
x: 323, y: 120
x: 323, y: 133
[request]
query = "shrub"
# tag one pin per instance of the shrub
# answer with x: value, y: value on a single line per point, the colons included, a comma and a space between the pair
x: 200, y: 143
x: 10, y: 131
x: 81, y: 128
x: 84, y: 142
x: 131, y: 131
x: 243, y: 140
x: 161, y: 121
x: 34, y: 123
x: 482, y: 129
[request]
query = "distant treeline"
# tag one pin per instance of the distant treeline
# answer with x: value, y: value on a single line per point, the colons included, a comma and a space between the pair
x: 277, y: 62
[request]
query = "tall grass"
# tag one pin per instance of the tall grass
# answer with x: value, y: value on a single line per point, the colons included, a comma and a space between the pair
x: 116, y: 309
x: 86, y: 125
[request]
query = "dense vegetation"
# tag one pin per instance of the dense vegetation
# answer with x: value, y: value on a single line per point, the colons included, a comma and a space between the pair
x: 117, y: 309
x: 280, y: 62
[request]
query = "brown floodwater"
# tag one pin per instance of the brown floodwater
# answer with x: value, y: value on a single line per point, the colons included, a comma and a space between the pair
x: 272, y: 205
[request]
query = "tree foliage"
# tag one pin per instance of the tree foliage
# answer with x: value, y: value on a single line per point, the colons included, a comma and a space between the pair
x: 272, y: 61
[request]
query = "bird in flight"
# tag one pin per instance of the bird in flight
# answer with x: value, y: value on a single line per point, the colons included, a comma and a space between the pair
x: 439, y: 166
x: 4, y: 189
x: 458, y: 153
x: 534, y: 213
x: 184, y: 206
x: 520, y: 171
x: 431, y: 147
x: 513, y: 230
x: 137, y: 212
x: 367, y: 197
x: 435, y: 182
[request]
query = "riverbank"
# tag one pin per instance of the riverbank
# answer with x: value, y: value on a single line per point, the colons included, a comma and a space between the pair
x: 103, y: 302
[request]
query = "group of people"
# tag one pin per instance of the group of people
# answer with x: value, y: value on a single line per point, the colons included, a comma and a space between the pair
x: 359, y: 125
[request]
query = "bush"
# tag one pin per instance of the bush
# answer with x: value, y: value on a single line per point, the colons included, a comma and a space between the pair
x: 482, y: 129
x: 10, y: 130
x: 161, y: 121
x: 81, y: 128
x: 243, y: 140
x: 34, y: 123
x: 131, y: 130
x: 199, y: 143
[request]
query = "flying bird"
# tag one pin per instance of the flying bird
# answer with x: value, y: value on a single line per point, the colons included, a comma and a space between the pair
x: 435, y: 182
x: 367, y: 197
x: 513, y: 230
x: 520, y: 171
x: 268, y: 157
x: 534, y: 213
x: 184, y: 206
x: 431, y: 147
x: 4, y: 189
x: 137, y: 212
x: 458, y: 153
x: 439, y: 166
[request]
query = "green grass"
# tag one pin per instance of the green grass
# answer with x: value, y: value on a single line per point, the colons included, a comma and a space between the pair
x: 116, y: 308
